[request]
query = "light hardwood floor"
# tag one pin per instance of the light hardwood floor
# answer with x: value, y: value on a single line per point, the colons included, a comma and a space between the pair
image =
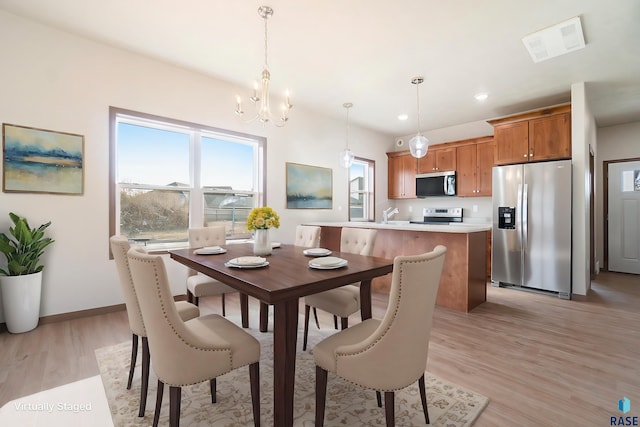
x: 542, y: 361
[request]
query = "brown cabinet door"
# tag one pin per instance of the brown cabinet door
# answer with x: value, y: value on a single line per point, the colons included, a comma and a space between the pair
x: 409, y: 177
x: 466, y: 171
x: 446, y: 159
x: 512, y: 143
x: 485, y: 163
x: 550, y: 137
x: 427, y: 164
x: 394, y: 182
x: 401, y: 182
x: 438, y: 160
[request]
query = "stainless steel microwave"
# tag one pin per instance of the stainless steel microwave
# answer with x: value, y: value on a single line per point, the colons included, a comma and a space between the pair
x: 436, y: 184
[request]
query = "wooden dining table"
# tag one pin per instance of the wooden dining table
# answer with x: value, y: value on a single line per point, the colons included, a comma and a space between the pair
x: 282, y: 283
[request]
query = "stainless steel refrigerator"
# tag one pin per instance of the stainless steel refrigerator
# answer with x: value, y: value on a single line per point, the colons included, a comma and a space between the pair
x: 531, y: 246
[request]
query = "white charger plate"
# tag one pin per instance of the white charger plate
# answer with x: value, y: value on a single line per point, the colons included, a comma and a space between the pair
x: 229, y: 264
x: 210, y: 250
x: 316, y: 252
x: 248, y: 261
x: 328, y: 263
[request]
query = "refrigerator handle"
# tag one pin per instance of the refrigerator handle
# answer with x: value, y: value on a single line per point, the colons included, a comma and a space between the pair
x: 525, y: 217
x: 518, y: 214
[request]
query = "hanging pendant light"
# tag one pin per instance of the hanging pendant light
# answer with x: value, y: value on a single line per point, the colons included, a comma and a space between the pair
x: 346, y: 156
x: 261, y: 92
x: 419, y: 144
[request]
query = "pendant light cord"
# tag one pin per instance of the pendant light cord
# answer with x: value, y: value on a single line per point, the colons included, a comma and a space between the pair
x: 418, y: 109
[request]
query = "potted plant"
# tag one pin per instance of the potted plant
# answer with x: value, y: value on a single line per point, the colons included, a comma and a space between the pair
x: 21, y: 282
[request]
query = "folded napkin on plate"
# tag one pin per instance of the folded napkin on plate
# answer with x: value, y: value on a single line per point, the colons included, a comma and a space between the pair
x: 327, y: 261
x: 207, y: 250
x: 248, y: 260
x: 316, y: 251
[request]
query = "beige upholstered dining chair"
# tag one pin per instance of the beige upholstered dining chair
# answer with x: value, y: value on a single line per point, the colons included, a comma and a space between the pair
x: 119, y: 247
x: 344, y: 301
x: 388, y: 354
x: 198, y: 284
x: 186, y: 353
x: 307, y: 236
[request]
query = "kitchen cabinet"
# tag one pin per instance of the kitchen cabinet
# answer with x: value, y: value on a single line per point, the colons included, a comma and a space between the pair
x: 474, y: 165
x: 438, y: 160
x: 401, y: 175
x: 535, y: 136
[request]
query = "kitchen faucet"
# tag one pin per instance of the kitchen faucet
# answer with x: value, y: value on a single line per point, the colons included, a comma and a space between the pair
x: 388, y: 213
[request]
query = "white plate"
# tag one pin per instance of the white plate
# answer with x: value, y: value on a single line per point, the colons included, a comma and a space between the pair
x: 247, y: 261
x: 316, y: 252
x: 327, y: 263
x: 230, y: 264
x: 210, y: 250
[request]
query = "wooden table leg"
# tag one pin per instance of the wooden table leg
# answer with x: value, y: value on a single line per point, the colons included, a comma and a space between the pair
x: 264, y: 317
x: 244, y: 309
x: 365, y: 299
x: 285, y: 333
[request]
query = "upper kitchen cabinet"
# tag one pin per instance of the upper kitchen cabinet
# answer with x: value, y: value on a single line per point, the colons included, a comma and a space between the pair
x: 534, y: 136
x: 475, y: 163
x: 438, y: 160
x: 402, y: 175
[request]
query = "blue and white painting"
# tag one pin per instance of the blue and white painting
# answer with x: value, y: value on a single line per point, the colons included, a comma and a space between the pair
x: 309, y: 187
x: 42, y: 161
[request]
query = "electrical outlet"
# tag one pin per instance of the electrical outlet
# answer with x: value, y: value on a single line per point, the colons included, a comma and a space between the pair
x: 410, y: 209
x: 475, y: 208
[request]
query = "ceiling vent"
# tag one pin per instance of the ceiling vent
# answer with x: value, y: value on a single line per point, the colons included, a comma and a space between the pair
x: 556, y: 40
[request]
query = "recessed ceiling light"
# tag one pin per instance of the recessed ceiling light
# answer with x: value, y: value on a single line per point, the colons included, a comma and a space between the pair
x: 403, y: 117
x: 481, y: 96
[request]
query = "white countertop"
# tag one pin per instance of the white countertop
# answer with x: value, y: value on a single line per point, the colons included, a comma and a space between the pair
x: 406, y: 225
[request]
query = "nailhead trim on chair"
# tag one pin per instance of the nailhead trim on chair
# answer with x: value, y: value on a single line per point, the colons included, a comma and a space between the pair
x: 395, y: 312
x: 164, y: 312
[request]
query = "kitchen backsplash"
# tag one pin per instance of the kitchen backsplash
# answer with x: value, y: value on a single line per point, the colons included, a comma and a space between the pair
x: 474, y: 209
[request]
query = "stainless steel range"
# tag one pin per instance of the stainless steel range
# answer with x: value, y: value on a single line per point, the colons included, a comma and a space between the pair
x: 440, y: 216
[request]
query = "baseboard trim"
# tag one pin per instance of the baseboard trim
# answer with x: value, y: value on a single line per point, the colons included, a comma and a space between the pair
x: 54, y: 318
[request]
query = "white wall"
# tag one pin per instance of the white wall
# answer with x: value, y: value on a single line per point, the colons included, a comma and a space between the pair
x: 614, y: 143
x: 57, y: 81
x: 583, y: 136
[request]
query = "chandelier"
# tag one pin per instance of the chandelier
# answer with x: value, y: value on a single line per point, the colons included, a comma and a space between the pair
x: 260, y: 96
x: 419, y: 144
x: 346, y: 155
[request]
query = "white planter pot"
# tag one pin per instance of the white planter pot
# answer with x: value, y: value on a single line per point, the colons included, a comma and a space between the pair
x: 21, y: 301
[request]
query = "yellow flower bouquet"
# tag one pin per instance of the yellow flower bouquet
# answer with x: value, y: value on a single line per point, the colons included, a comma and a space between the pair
x: 263, y: 218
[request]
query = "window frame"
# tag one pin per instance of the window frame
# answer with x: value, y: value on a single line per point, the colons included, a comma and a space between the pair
x: 195, y: 188
x: 368, y: 192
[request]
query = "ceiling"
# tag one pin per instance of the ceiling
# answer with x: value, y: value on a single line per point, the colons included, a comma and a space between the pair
x: 366, y: 52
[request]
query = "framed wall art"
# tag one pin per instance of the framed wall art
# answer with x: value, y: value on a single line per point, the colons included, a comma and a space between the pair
x: 309, y: 187
x: 41, y: 161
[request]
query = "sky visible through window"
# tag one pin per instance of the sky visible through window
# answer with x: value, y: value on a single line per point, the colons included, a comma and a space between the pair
x: 160, y: 157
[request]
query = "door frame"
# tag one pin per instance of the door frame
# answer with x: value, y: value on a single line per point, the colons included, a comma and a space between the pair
x: 605, y: 206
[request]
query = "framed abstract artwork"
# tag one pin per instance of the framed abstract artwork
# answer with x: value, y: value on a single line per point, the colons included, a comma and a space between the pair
x: 309, y: 187
x: 41, y: 161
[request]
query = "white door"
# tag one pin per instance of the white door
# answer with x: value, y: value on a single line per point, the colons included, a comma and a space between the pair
x: 624, y: 217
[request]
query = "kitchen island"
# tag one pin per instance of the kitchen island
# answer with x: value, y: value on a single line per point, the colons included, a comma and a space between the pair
x: 463, y: 280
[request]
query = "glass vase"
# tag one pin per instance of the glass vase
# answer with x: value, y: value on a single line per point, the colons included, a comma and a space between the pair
x: 262, y: 243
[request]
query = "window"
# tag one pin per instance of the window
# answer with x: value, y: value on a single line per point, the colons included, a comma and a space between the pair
x: 361, y: 190
x: 168, y: 175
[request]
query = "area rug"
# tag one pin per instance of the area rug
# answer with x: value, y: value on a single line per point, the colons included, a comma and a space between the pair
x: 347, y: 405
